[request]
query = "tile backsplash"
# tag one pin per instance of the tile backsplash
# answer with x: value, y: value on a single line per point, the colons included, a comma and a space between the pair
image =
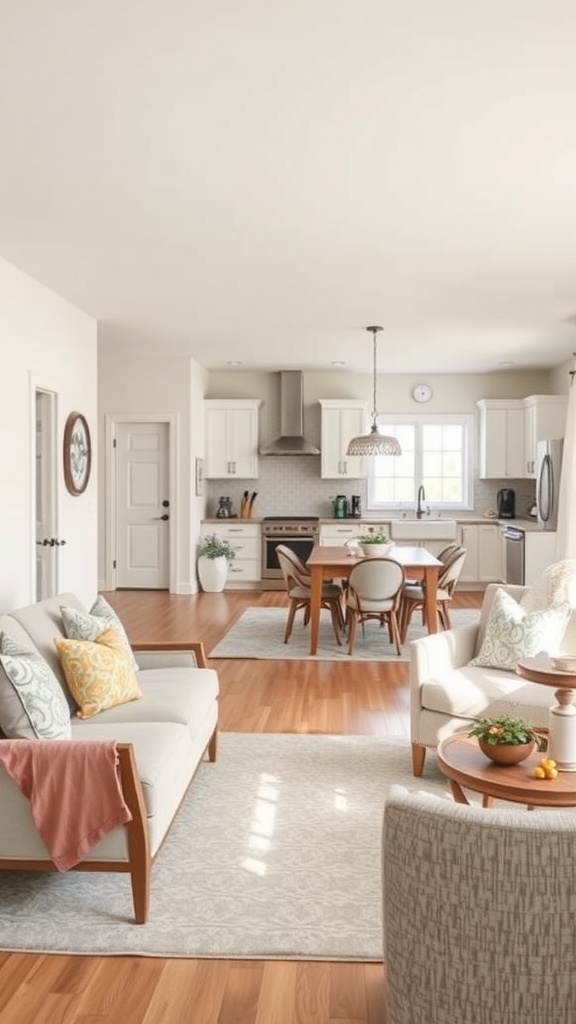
x: 292, y: 486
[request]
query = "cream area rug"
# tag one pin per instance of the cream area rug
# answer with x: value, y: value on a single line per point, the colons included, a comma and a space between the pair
x: 275, y: 853
x: 259, y: 633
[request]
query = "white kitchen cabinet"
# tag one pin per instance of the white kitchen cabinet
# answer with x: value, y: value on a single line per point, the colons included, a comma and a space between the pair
x: 245, y: 538
x: 336, y: 534
x: 341, y: 420
x: 501, y: 436
x: 544, y: 419
x: 483, y: 545
x: 231, y: 438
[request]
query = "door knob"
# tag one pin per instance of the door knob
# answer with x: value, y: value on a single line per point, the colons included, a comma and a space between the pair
x: 164, y: 518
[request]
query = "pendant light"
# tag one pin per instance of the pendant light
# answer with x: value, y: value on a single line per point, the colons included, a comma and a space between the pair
x: 374, y: 443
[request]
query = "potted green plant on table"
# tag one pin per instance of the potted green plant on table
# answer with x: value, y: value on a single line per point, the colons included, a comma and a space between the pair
x: 375, y: 543
x: 214, y: 555
x: 506, y: 739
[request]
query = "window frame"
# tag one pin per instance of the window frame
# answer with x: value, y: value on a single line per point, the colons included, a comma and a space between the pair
x: 419, y: 420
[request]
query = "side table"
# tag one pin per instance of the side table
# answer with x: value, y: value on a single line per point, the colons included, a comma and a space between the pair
x: 562, y: 728
x: 463, y: 763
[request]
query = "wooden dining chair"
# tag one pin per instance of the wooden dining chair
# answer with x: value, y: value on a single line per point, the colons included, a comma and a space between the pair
x: 413, y: 593
x: 374, y: 592
x: 298, y: 585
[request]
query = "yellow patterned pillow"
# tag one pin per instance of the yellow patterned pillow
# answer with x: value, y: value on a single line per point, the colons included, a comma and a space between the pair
x: 99, y: 672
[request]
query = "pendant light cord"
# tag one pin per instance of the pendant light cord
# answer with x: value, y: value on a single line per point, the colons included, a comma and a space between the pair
x: 374, y: 406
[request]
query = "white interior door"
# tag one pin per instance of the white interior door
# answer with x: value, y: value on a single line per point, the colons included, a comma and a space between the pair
x: 142, y: 506
x: 46, y: 469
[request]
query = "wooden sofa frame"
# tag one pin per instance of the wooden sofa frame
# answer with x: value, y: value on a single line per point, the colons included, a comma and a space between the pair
x: 139, y: 862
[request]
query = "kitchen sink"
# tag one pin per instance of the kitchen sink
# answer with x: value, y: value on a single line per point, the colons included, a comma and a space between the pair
x: 423, y: 529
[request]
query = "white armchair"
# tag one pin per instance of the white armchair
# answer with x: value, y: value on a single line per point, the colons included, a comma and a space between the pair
x: 447, y: 693
x: 478, y: 913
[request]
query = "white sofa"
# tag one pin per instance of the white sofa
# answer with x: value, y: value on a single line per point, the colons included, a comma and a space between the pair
x: 162, y: 737
x: 447, y: 693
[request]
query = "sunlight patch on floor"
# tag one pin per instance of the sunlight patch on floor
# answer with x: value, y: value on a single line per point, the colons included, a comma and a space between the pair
x: 263, y: 822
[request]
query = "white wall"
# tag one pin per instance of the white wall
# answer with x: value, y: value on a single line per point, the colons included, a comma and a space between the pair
x: 45, y: 342
x: 128, y: 383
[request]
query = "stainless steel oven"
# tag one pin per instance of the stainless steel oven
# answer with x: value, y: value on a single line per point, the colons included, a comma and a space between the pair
x: 299, y: 533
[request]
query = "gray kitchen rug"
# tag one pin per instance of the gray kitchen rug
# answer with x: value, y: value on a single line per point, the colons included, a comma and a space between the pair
x: 259, y: 633
x: 275, y: 853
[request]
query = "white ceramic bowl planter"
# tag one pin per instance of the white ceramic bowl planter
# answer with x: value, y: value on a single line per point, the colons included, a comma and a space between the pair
x: 376, y: 550
x: 214, y: 554
x: 376, y: 544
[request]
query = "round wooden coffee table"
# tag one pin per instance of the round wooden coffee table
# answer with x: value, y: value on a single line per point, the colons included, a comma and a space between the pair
x: 463, y: 763
x: 562, y: 746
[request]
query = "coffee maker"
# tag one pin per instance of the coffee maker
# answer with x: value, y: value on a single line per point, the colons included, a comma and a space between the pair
x: 506, y: 503
x: 356, y: 506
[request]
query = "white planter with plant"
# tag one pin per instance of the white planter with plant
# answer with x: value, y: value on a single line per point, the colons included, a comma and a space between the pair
x: 375, y: 544
x: 214, y: 555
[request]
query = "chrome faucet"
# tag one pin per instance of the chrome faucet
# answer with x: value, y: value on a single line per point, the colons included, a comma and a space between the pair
x: 421, y: 498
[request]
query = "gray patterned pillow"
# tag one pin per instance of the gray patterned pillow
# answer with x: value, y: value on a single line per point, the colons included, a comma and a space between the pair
x: 513, y: 633
x: 90, y: 625
x: 32, y: 702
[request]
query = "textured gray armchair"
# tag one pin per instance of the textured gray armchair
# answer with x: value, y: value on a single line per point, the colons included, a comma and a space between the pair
x: 479, y: 911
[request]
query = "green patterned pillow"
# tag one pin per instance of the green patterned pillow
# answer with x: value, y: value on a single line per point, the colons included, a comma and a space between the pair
x: 90, y: 625
x: 513, y: 633
x: 32, y: 702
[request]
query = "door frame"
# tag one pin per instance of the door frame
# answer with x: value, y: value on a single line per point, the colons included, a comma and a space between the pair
x: 111, y: 420
x: 37, y: 383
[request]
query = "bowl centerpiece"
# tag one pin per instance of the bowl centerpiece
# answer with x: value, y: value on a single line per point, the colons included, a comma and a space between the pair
x: 507, y: 740
x: 375, y: 543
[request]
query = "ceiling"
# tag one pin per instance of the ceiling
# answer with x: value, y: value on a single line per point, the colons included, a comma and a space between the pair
x: 259, y: 181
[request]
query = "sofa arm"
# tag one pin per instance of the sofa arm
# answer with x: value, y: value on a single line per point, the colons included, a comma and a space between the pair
x: 441, y: 652
x: 432, y: 657
x: 188, y: 654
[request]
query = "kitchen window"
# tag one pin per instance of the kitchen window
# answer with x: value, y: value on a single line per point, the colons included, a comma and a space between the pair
x: 436, y: 452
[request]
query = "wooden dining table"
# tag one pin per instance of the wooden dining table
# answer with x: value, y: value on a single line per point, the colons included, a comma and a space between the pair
x: 337, y: 562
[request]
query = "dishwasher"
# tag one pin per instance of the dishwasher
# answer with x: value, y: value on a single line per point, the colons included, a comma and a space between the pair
x: 514, y: 555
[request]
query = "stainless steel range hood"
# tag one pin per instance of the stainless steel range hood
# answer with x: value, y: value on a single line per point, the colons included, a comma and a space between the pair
x: 291, y: 440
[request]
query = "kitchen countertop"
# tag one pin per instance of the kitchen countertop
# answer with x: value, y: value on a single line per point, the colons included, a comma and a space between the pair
x: 528, y: 524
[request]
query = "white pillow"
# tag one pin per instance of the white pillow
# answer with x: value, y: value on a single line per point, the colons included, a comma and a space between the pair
x: 513, y: 633
x: 556, y: 585
x: 32, y: 702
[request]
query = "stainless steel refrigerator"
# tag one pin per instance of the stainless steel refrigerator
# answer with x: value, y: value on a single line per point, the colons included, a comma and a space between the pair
x: 549, y: 463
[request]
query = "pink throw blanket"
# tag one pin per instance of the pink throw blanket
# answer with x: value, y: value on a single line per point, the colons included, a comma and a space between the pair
x: 74, y: 792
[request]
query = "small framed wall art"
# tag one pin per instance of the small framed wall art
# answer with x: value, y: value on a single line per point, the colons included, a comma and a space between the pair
x: 77, y: 453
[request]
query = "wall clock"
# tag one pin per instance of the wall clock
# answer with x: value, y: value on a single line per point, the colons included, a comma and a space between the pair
x: 77, y: 453
x: 422, y: 393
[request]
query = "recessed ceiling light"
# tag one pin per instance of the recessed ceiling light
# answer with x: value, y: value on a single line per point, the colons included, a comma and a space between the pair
x: 506, y: 362
x: 338, y: 362
x: 234, y: 362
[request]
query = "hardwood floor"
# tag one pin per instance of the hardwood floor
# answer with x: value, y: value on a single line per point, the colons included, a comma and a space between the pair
x: 262, y: 696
